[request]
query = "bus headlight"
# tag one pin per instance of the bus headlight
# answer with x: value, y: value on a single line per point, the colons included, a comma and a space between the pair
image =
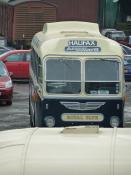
x: 114, y: 121
x: 49, y: 121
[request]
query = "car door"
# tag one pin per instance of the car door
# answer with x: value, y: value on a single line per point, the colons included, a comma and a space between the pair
x: 14, y: 63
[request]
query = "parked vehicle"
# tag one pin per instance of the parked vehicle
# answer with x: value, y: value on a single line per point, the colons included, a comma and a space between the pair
x: 116, y: 35
x: 3, y: 41
x: 127, y: 41
x: 76, y: 77
x: 127, y: 61
x: 17, y: 61
x: 126, y: 49
x: 104, y: 31
x: 66, y: 151
x: 127, y: 67
x: 4, y: 49
x: 6, y: 86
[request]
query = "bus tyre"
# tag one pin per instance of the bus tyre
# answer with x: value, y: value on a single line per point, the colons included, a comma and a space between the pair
x: 30, y: 114
x: 37, y: 115
x: 31, y: 123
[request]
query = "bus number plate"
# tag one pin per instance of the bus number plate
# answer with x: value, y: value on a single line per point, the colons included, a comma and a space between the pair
x: 82, y: 117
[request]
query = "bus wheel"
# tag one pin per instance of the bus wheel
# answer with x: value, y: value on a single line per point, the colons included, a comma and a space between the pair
x: 31, y: 115
x: 31, y: 123
x: 37, y: 115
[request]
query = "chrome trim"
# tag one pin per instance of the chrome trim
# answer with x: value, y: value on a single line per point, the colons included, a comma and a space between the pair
x: 82, y: 106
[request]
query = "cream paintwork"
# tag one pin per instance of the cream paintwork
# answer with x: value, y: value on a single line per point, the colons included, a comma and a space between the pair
x: 53, y: 39
x: 68, y: 26
x: 55, y: 36
x: 52, y: 151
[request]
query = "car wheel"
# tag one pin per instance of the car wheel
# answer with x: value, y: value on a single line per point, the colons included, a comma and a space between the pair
x: 9, y: 102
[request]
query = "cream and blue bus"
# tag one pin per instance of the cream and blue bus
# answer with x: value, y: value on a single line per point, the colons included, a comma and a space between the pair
x: 76, y: 77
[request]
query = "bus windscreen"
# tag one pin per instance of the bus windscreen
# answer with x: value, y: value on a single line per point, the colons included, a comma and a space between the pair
x: 63, y: 76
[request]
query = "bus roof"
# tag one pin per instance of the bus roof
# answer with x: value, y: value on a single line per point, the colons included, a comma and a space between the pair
x: 71, y: 26
x: 73, y: 38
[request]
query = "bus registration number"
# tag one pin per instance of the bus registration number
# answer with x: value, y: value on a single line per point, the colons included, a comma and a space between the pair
x: 82, y: 117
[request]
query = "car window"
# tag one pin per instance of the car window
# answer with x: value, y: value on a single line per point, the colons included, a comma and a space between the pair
x: 127, y: 59
x: 129, y: 39
x: 2, y: 51
x: 118, y: 35
x: 4, y: 47
x: 15, y: 57
x: 28, y: 56
x: 2, y: 70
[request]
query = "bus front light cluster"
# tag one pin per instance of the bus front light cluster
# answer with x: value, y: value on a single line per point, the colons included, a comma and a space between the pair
x: 49, y: 121
x: 114, y: 121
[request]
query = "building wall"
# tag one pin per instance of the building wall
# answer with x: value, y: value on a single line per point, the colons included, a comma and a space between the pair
x: 83, y: 10
x: 20, y: 21
x: 29, y: 18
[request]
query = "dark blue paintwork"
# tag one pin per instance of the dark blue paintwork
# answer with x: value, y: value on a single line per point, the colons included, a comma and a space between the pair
x: 56, y: 109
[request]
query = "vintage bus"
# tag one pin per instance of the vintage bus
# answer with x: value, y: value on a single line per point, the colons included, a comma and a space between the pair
x: 76, y: 77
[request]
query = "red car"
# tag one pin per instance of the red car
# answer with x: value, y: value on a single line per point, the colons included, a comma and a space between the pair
x: 6, y: 86
x: 127, y: 41
x: 17, y: 62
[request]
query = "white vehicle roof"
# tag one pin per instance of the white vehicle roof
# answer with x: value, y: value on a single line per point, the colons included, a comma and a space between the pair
x: 104, y: 31
x: 71, y: 26
x: 55, y: 37
x: 65, y: 151
x: 117, y: 31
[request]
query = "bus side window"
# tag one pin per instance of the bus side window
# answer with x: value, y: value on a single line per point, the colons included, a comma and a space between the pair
x: 39, y: 75
x: 34, y: 63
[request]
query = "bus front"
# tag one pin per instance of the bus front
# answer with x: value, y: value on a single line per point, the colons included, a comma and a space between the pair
x: 83, y: 89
